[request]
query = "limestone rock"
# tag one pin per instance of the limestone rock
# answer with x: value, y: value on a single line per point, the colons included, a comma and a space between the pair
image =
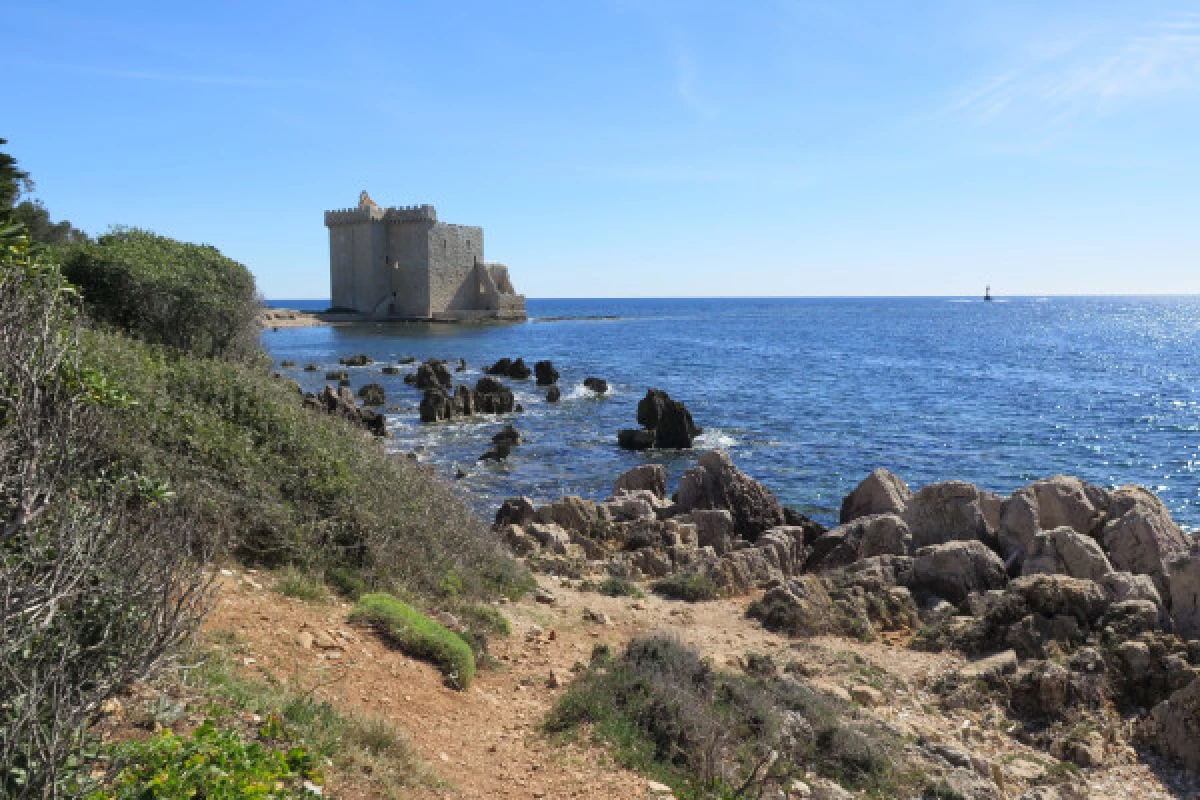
x: 945, y: 512
x: 714, y: 528
x: 649, y: 477
x: 1183, y: 582
x: 1140, y: 536
x: 955, y: 569
x: 881, y: 492
x: 572, y: 513
x: 1061, y: 595
x: 1174, y: 726
x: 716, y: 483
x: 1065, y: 551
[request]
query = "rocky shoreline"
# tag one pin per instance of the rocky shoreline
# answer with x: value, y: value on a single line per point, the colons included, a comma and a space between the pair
x: 1078, y: 605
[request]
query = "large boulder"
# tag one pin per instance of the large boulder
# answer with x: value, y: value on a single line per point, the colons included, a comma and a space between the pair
x: 650, y: 477
x: 572, y: 513
x: 881, y: 492
x: 433, y: 374
x: 437, y: 405
x: 714, y: 528
x: 716, y: 483
x: 955, y: 569
x: 666, y: 424
x: 946, y: 512
x: 545, y: 373
x: 373, y: 394
x: 493, y: 397
x: 515, y: 511
x: 1061, y: 596
x: 509, y: 368
x: 1173, y: 727
x: 1067, y: 552
x: 880, y: 534
x: 1140, y: 536
x: 1122, y: 586
x: 597, y: 385
x: 1060, y: 501
x: 1183, y: 583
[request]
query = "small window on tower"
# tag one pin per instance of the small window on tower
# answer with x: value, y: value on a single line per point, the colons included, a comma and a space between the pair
x: 443, y: 244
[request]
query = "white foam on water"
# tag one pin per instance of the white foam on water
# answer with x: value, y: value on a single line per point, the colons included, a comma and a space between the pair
x: 714, y: 439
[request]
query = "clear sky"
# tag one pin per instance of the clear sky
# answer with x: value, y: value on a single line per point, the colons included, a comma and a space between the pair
x: 635, y: 147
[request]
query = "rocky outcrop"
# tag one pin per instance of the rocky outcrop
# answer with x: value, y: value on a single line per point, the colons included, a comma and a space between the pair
x: 544, y: 373
x: 360, y: 360
x: 1140, y: 536
x: 648, y: 477
x: 1174, y: 726
x: 1067, y: 552
x: 666, y: 423
x: 946, y: 512
x: 881, y: 492
x: 340, y: 403
x: 955, y: 569
x: 515, y: 511
x: 509, y: 368
x: 372, y: 394
x: 597, y: 385
x: 879, y: 534
x: 553, y: 394
x: 716, y: 483
x: 1183, y: 583
x: 488, y: 397
x: 431, y: 374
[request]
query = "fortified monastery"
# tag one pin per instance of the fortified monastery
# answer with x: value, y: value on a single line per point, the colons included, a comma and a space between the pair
x: 402, y: 263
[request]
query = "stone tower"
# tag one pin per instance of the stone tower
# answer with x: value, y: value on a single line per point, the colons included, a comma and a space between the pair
x: 403, y: 263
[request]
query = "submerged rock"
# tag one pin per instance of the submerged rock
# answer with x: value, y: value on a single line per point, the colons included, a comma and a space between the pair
x: 597, y: 385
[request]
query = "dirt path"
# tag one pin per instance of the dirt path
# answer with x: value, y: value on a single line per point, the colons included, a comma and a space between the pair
x: 484, y: 742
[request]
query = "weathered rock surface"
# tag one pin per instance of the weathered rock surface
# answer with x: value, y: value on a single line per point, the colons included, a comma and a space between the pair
x: 515, y: 511
x: 433, y: 374
x: 955, y: 569
x: 509, y: 368
x: 650, y: 477
x: 1183, y: 582
x: 881, y: 492
x: 1065, y: 551
x: 372, y: 394
x: 1140, y: 536
x: 879, y: 534
x: 341, y: 403
x: 716, y: 483
x: 946, y: 512
x: 1174, y: 726
x: 490, y: 396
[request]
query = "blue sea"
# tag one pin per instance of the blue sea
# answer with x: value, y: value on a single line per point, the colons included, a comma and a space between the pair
x: 810, y: 395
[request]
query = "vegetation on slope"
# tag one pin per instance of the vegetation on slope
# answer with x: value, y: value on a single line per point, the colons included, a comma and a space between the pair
x: 418, y: 636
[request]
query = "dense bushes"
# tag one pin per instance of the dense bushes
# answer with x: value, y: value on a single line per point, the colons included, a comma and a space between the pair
x: 290, y: 486
x: 167, y: 292
x: 418, y: 636
x: 713, y: 734
x: 690, y: 586
x: 100, y: 576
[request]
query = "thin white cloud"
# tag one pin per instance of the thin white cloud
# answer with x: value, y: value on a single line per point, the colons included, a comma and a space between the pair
x: 1092, y: 75
x: 684, y: 64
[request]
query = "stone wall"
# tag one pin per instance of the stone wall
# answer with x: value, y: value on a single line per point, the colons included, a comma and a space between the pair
x: 453, y: 250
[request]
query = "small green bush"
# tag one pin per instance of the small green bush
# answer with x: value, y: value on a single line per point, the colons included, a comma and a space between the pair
x: 485, y: 620
x: 305, y: 586
x: 618, y: 587
x: 418, y: 636
x: 211, y: 763
x: 690, y: 586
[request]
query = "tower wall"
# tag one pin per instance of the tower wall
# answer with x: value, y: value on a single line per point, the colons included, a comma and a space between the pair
x: 453, y: 251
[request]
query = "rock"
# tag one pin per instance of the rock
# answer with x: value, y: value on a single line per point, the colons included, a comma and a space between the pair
x: 391, y: 370
x: 1060, y: 501
x: 955, y: 569
x: 500, y: 452
x: 337, y: 375
x: 372, y: 394
x: 1068, y: 552
x: 715, y: 483
x: 572, y: 513
x: 544, y: 597
x: 1121, y: 586
x: 555, y: 680
x: 462, y: 365
x: 437, y: 405
x: 1061, y: 595
x: 305, y: 640
x: 867, y: 696
x: 1183, y: 583
x: 864, y: 537
x: 493, y: 397
x: 635, y: 439
x: 433, y: 374
x: 310, y: 368
x: 507, y: 367
x: 550, y: 536
x: 656, y: 788
x: 597, y: 617
x: 881, y: 492
x: 648, y: 477
x: 341, y: 403
x: 1003, y: 663
x: 1140, y: 536
x: 508, y: 435
x: 597, y: 385
x: 945, y: 512
x: 884, y: 534
x: 545, y: 373
x: 553, y: 394
x: 1173, y: 727
x: 360, y: 360
x: 714, y: 528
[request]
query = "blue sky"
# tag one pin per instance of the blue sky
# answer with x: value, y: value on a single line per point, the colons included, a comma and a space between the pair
x: 638, y: 148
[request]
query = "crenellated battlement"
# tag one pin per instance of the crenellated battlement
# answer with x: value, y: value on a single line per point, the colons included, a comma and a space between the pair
x: 374, y: 213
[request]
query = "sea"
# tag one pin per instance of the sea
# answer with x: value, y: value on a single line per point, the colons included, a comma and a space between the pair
x: 810, y: 395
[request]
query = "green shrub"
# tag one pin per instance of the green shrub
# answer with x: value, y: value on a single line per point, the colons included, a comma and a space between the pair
x: 618, y: 587
x: 290, y: 485
x: 690, y: 586
x: 292, y: 582
x: 485, y: 620
x: 211, y: 763
x: 167, y: 292
x: 418, y: 636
